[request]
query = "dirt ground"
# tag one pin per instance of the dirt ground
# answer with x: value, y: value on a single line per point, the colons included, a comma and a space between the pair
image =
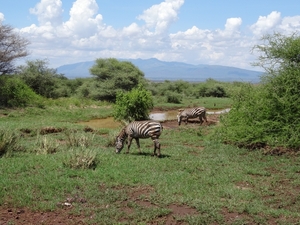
x: 63, y: 215
x: 212, y: 119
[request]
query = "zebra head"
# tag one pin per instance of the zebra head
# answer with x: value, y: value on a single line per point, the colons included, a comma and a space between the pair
x: 119, y: 145
x: 179, y: 116
x: 120, y: 140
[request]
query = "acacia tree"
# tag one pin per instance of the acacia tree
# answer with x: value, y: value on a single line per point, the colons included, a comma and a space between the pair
x: 12, y: 47
x: 269, y: 114
x: 113, y: 76
x: 43, y: 80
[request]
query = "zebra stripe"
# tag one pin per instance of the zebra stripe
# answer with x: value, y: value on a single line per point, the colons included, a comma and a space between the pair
x: 192, y: 113
x: 139, y: 129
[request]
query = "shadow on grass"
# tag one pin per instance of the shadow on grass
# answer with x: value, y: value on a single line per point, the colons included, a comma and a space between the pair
x: 148, y: 154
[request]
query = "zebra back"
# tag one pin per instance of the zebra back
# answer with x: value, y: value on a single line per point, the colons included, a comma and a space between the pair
x: 144, y: 129
x: 140, y: 129
x: 192, y: 112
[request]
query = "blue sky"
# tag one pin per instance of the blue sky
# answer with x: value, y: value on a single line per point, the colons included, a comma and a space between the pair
x: 211, y: 32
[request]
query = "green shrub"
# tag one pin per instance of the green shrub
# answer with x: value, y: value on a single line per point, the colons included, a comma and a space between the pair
x: 15, y: 93
x: 269, y: 114
x: 133, y: 105
x: 172, y: 97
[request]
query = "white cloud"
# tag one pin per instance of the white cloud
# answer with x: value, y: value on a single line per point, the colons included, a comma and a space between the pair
x: 84, y: 20
x: 232, y: 26
x: 85, y: 36
x: 1, y: 17
x: 48, y: 11
x: 290, y: 24
x: 132, y: 29
x: 162, y: 15
x: 266, y: 23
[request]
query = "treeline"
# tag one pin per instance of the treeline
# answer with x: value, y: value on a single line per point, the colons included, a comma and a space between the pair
x: 35, y: 81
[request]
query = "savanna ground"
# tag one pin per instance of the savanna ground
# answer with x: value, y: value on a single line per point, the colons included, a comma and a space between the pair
x: 138, y: 197
x: 63, y: 214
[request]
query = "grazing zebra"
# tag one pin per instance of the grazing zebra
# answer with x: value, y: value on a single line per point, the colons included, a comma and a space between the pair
x: 140, y: 129
x: 192, y: 113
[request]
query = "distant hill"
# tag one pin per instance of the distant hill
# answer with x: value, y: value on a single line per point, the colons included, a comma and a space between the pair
x: 157, y: 70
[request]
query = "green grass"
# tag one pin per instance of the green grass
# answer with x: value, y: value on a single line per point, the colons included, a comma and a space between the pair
x: 218, y: 181
x: 208, y: 102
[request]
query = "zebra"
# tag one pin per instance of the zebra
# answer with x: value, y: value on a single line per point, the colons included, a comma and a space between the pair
x: 139, y: 129
x: 192, y: 113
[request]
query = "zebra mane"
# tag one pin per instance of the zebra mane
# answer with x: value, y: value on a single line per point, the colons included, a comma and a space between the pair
x: 122, y: 135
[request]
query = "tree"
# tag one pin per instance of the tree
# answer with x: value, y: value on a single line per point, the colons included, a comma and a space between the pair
x: 43, y: 80
x: 113, y: 76
x: 277, y: 52
x: 269, y: 114
x: 12, y: 47
x: 133, y: 105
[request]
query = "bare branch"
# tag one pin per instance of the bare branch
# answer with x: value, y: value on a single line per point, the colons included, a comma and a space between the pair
x: 12, y: 47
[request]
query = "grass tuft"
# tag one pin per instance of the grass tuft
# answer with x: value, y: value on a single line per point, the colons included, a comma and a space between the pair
x: 46, y: 145
x: 76, y: 139
x: 8, y: 143
x: 81, y: 158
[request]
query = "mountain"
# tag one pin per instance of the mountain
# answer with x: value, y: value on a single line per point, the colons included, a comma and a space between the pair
x: 157, y: 70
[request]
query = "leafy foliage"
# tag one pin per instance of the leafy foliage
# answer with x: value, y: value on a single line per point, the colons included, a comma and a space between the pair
x: 43, y: 80
x: 113, y: 76
x: 212, y: 88
x: 173, y: 97
x: 269, y: 114
x: 15, y: 93
x: 133, y: 105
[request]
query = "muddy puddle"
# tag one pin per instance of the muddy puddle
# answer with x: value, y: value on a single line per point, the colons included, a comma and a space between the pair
x: 159, y: 116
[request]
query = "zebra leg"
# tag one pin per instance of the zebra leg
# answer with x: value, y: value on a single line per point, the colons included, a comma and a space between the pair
x: 179, y: 118
x: 186, y: 121
x: 138, y: 144
x: 157, y: 144
x: 200, y: 118
x: 204, y: 116
x: 156, y: 147
x: 129, y: 143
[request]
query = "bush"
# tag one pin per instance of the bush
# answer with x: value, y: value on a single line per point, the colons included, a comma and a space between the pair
x: 15, y: 93
x: 172, y: 97
x: 133, y: 105
x: 268, y: 114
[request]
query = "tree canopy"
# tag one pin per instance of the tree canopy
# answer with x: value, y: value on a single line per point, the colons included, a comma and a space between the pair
x: 41, y: 79
x: 112, y: 76
x: 12, y: 47
x: 269, y: 114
